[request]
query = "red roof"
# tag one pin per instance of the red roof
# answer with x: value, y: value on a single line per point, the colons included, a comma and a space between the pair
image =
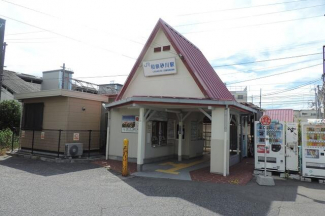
x: 280, y: 114
x: 202, y: 72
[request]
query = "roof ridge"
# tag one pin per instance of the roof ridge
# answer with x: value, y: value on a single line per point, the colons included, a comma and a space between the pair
x: 179, y: 34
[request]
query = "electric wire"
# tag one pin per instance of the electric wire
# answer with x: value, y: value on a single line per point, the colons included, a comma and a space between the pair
x: 285, y: 72
x: 266, y: 60
x: 240, y: 8
x: 253, y: 25
x: 244, y: 17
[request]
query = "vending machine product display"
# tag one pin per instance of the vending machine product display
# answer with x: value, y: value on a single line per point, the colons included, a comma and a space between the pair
x: 313, y: 150
x: 275, y: 153
x: 291, y: 149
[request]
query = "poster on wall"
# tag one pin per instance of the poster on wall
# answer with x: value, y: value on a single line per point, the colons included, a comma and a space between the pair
x: 130, y: 124
x: 42, y: 135
x: 75, y: 136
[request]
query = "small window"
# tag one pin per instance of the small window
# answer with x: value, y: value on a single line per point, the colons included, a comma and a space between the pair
x: 304, y: 113
x: 313, y: 114
x: 33, y: 116
x: 166, y: 48
x: 157, y: 49
x: 240, y: 97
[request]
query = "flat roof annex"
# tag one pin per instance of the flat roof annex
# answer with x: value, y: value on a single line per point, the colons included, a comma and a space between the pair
x: 202, y: 72
x: 61, y: 92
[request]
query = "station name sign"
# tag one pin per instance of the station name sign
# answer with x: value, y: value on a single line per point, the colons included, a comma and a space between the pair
x: 159, y: 67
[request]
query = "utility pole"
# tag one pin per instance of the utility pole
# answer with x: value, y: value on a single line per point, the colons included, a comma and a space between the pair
x: 316, y: 103
x: 323, y: 88
x: 2, y: 61
x: 2, y: 50
x: 63, y: 75
x: 260, y: 98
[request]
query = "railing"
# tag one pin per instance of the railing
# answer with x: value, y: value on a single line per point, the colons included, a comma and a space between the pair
x: 53, y: 140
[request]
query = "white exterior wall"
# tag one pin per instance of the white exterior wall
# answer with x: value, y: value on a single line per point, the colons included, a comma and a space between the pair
x: 180, y: 84
x: 116, y: 136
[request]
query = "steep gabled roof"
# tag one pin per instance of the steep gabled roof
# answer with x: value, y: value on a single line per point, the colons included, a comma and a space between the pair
x: 202, y: 72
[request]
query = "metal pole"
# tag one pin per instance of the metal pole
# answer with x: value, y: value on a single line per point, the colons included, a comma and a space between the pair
x: 2, y: 62
x: 316, y: 103
x: 59, y: 143
x: 89, y: 144
x: 265, y: 131
x: 12, y: 139
x: 33, y: 142
x: 63, y: 74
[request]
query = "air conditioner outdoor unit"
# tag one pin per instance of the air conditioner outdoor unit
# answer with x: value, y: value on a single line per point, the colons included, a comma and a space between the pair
x: 73, y: 149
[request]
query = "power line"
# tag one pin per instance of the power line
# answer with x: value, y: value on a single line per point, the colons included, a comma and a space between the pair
x: 68, y: 37
x: 266, y: 60
x: 20, y: 33
x: 275, y: 74
x: 255, y: 15
x: 289, y: 89
x: 52, y: 16
x: 240, y: 8
x: 260, y: 24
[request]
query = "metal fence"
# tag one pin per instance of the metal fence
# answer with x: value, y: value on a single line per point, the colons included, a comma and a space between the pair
x: 54, y: 141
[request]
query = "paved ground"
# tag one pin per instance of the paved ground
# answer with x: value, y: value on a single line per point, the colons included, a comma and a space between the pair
x: 32, y: 187
x: 173, y: 169
x: 240, y: 173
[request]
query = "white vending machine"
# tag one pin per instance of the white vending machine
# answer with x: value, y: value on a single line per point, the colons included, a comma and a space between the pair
x: 292, y: 151
x: 275, y: 153
x: 313, y: 150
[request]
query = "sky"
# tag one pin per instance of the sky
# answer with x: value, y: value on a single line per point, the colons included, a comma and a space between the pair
x: 270, y: 45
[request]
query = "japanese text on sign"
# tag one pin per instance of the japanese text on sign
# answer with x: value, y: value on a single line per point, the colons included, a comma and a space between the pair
x: 159, y: 67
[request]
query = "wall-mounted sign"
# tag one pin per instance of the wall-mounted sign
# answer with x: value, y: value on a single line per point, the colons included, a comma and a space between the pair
x: 159, y: 67
x: 75, y: 136
x: 22, y: 134
x: 130, y: 124
x: 42, y: 135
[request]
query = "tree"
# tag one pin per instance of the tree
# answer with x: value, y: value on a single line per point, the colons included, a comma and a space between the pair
x: 10, y: 111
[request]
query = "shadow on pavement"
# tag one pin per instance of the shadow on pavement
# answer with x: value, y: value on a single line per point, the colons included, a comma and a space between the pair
x: 227, y: 199
x: 43, y: 168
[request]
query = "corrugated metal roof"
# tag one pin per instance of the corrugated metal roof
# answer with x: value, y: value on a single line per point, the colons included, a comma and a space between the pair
x: 280, y: 114
x: 199, y: 67
x: 17, y: 85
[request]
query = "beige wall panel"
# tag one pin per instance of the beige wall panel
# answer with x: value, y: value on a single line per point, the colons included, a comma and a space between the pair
x: 180, y: 84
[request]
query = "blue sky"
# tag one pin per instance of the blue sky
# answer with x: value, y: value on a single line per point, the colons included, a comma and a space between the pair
x: 103, y: 38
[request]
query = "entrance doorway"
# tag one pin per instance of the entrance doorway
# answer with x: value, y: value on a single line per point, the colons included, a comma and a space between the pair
x: 207, y: 135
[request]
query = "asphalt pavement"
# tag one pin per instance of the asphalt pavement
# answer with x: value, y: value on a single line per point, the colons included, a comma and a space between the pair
x: 34, y: 187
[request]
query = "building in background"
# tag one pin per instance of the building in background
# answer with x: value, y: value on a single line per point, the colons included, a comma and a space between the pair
x: 18, y: 83
x: 62, y: 103
x: 304, y: 115
x: 239, y: 93
x: 285, y: 115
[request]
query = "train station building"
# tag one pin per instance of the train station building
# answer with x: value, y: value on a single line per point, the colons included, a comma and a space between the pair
x: 171, y: 103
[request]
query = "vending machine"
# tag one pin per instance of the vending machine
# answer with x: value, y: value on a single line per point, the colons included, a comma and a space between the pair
x: 275, y: 152
x: 291, y: 149
x: 313, y: 150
